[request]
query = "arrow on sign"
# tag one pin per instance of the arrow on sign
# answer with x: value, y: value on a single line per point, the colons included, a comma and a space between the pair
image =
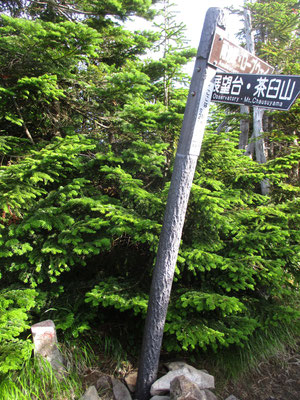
x: 277, y: 92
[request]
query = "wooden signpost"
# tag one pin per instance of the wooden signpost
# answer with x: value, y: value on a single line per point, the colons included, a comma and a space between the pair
x: 214, y: 51
x: 192, y: 131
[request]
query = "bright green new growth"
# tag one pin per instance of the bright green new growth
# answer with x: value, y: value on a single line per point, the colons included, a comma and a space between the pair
x: 37, y: 380
x: 14, y: 307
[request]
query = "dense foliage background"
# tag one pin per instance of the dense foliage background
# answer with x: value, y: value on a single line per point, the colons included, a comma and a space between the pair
x: 88, y: 134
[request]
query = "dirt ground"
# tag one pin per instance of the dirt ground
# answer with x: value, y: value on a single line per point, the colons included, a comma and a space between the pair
x: 277, y: 379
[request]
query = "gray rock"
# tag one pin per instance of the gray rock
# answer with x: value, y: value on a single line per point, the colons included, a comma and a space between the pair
x: 202, y: 379
x: 103, y: 383
x: 208, y: 395
x: 130, y: 380
x: 45, y: 344
x: 232, y: 397
x: 120, y: 390
x: 90, y: 394
x: 160, y: 398
x: 173, y: 366
x: 182, y: 388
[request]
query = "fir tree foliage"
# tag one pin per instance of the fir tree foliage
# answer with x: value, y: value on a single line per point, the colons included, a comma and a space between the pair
x: 276, y: 27
x: 14, y: 305
x: 276, y: 24
x: 57, y: 10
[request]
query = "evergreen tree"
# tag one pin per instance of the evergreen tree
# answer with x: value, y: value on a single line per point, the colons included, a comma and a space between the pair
x: 53, y: 120
x: 276, y: 26
x: 57, y: 10
x: 168, y: 80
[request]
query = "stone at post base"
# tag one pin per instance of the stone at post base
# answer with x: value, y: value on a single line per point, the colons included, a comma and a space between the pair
x: 174, y: 365
x: 182, y: 388
x: 130, y: 380
x: 208, y: 395
x: 45, y: 344
x: 160, y: 398
x: 120, y: 391
x: 202, y: 379
x: 90, y: 394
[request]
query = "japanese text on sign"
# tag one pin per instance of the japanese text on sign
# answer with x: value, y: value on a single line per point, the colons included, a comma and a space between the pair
x: 203, y: 109
x: 233, y: 58
x: 267, y: 91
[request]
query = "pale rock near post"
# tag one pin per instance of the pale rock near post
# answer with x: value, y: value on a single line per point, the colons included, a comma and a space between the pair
x: 202, y: 379
x: 160, y: 398
x: 130, y: 380
x: 45, y: 344
x: 120, y: 391
x: 103, y: 383
x: 182, y: 388
x: 208, y: 395
x: 232, y: 397
x: 175, y: 365
x: 90, y: 394
x: 172, y: 366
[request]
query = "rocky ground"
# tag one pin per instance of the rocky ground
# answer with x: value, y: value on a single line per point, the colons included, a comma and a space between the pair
x: 277, y: 379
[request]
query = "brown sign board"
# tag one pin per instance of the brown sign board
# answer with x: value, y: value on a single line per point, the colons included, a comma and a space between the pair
x: 230, y: 57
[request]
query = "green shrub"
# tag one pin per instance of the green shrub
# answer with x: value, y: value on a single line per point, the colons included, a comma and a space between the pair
x: 14, y: 307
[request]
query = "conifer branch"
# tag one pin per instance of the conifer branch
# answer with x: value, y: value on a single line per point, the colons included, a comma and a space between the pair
x: 28, y: 134
x: 65, y: 8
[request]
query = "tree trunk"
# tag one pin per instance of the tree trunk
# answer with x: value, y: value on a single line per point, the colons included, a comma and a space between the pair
x: 248, y: 30
x: 257, y: 143
x: 244, y: 126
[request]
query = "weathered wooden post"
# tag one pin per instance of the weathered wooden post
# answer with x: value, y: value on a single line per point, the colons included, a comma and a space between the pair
x: 195, y: 117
